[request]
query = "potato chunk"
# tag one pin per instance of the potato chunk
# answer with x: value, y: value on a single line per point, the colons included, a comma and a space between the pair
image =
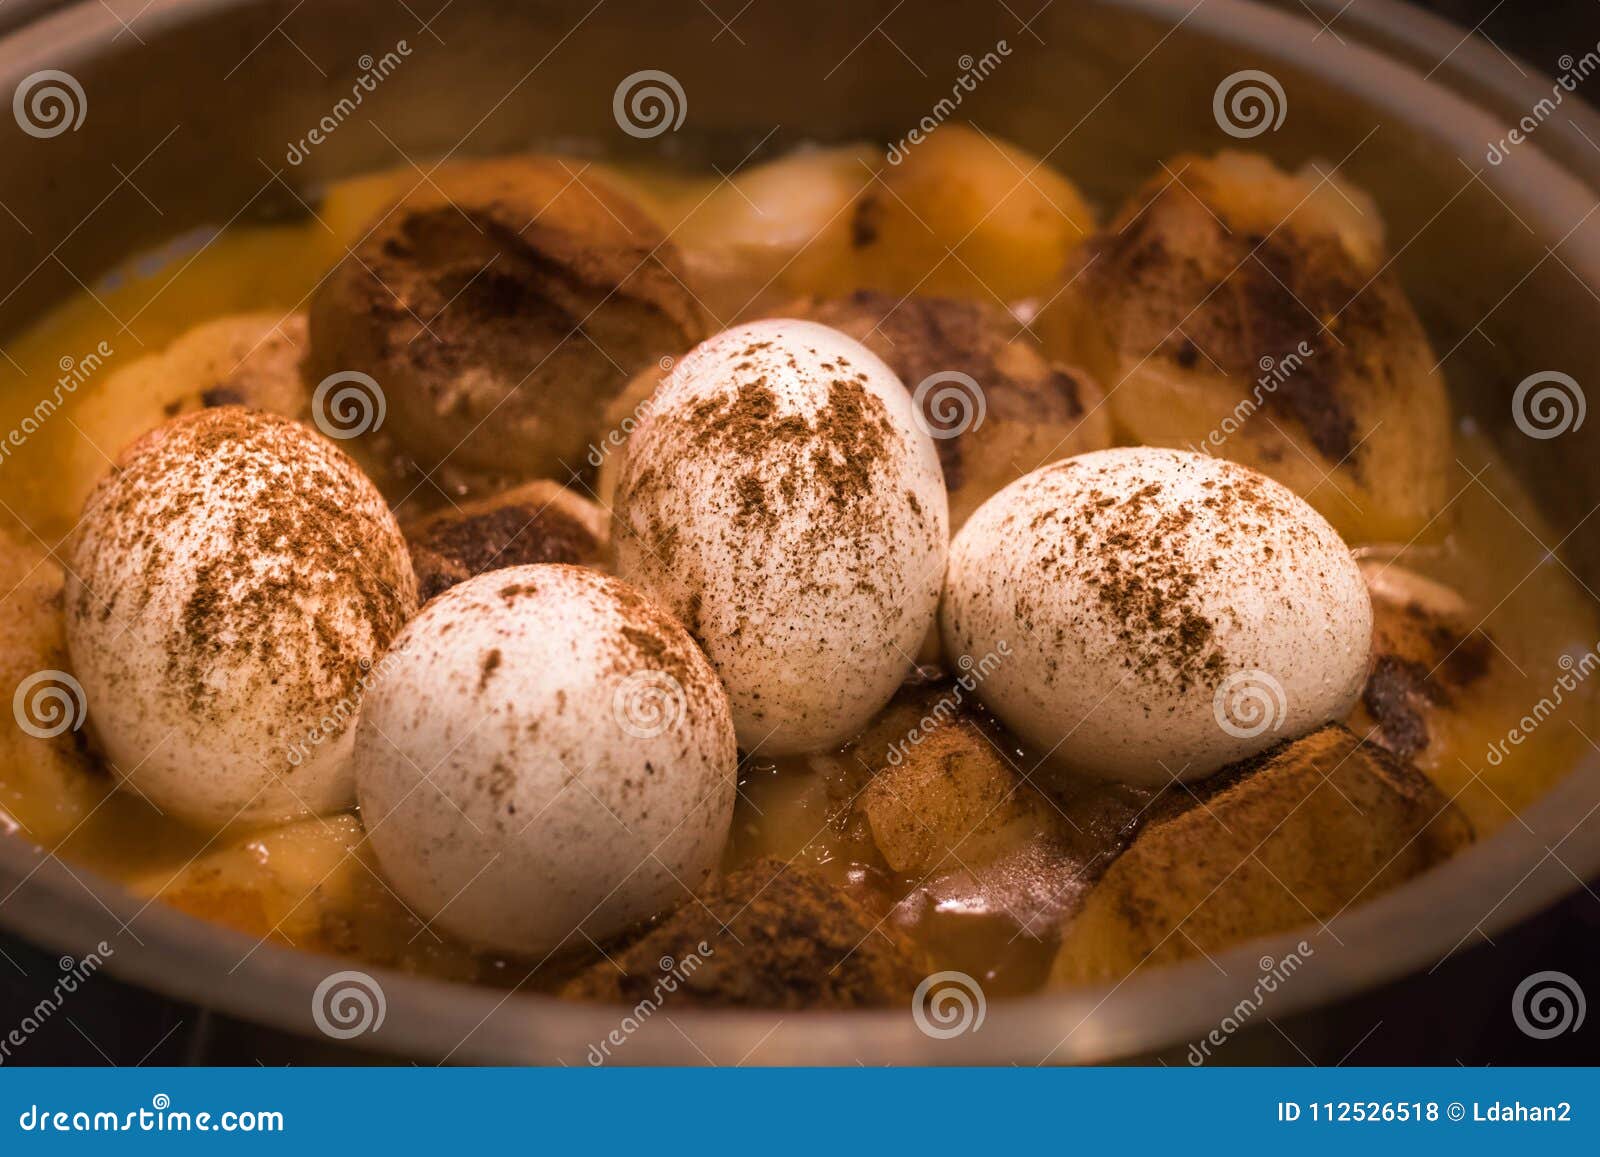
x: 994, y: 405
x: 539, y: 521
x: 1293, y: 836
x: 974, y: 833
x: 500, y: 309
x: 48, y: 783
x: 1241, y: 311
x: 1430, y: 664
x: 962, y: 215
x: 242, y: 360
x: 768, y: 935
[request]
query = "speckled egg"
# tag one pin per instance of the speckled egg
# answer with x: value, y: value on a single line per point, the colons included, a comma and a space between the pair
x: 1156, y: 614
x: 546, y: 752
x: 228, y: 591
x: 779, y: 497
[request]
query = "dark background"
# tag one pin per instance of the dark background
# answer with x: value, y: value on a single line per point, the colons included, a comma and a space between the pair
x: 1458, y: 1015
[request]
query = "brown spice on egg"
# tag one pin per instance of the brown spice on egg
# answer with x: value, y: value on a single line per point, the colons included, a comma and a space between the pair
x: 841, y: 449
x: 291, y: 546
x: 918, y: 337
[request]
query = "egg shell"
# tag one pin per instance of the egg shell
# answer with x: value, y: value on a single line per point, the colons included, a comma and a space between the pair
x: 545, y: 752
x: 229, y: 588
x: 1156, y: 614
x: 781, y: 499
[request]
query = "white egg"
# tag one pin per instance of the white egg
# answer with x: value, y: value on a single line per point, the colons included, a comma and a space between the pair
x: 545, y: 752
x: 1148, y: 615
x: 781, y: 499
x: 229, y: 588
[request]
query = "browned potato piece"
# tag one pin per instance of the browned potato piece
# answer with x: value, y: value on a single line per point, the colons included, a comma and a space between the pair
x: 539, y: 521
x: 951, y: 800
x: 1429, y: 663
x: 1289, y: 837
x: 47, y: 782
x: 313, y: 885
x: 768, y: 935
x: 762, y: 236
x: 1238, y: 310
x: 502, y: 314
x: 963, y: 215
x: 958, y: 214
x: 241, y: 360
x: 1014, y: 412
x: 957, y: 815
